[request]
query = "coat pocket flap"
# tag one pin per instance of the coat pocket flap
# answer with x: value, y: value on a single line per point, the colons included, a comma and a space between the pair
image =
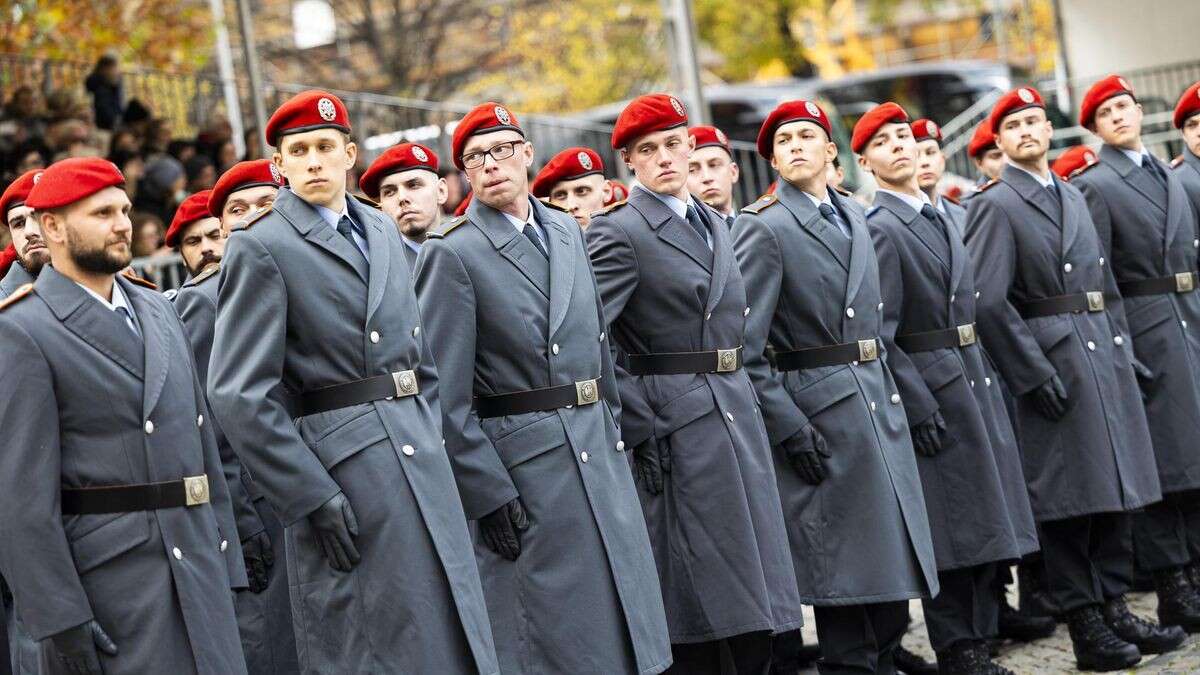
x: 942, y: 371
x: 1051, y: 330
x: 683, y: 409
x: 530, y: 441
x: 826, y: 391
x: 123, y: 533
x: 349, y: 438
x: 1147, y: 314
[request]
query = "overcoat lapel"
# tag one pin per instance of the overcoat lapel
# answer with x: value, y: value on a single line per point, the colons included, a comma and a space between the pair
x: 381, y: 246
x: 1135, y: 175
x: 512, y: 245
x: 723, y: 257
x: 671, y: 228
x: 812, y: 221
x: 1178, y: 203
x: 563, y: 258
x: 862, y: 251
x: 311, y: 226
x: 156, y: 342
x: 90, y: 321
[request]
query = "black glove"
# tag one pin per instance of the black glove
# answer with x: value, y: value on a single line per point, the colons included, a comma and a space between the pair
x: 927, y: 435
x: 1050, y: 399
x: 805, y: 451
x: 259, y: 557
x: 501, y: 529
x: 336, y: 527
x: 76, y: 648
x: 651, y: 460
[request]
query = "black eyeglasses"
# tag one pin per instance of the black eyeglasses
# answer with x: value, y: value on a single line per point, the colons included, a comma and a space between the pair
x: 499, y: 152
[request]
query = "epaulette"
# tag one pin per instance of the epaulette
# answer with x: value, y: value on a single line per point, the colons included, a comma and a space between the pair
x: 551, y: 205
x: 762, y: 203
x: 871, y: 210
x: 1081, y: 169
x: 448, y: 228
x: 988, y: 184
x: 368, y: 201
x: 950, y: 199
x: 208, y: 272
x: 843, y: 191
x: 610, y: 208
x: 1177, y: 161
x: 16, y: 296
x: 138, y: 281
x: 245, y: 223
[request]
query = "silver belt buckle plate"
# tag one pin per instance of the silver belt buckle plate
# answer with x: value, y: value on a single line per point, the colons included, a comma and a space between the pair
x: 195, y: 489
x: 586, y: 392
x: 406, y: 383
x: 966, y: 334
x: 1095, y: 301
x: 726, y: 360
x: 1185, y: 282
x: 868, y: 350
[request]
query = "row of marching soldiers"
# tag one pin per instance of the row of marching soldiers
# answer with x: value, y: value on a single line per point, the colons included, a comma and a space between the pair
x: 635, y: 440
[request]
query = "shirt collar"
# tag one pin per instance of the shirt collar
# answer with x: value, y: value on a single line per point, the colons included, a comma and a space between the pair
x: 520, y: 224
x: 915, y: 202
x: 940, y: 205
x: 118, y: 297
x: 817, y: 202
x: 1044, y: 182
x: 415, y: 246
x: 1135, y: 155
x: 333, y: 217
x: 677, y: 205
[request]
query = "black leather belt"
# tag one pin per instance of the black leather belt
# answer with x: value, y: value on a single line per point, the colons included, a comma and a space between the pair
x: 1184, y: 282
x: 1092, y: 301
x: 393, y: 385
x: 959, y: 336
x: 533, y: 400
x: 832, y: 355
x: 190, y: 491
x: 683, y: 363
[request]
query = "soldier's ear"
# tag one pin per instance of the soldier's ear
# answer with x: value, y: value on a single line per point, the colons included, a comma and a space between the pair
x: 443, y: 191
x: 737, y: 171
x: 528, y: 153
x: 351, y: 154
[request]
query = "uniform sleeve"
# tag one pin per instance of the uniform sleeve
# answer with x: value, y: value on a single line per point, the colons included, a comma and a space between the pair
x: 245, y: 383
x: 1006, y: 335
x: 37, y: 559
x: 447, y: 300
x: 615, y: 266
x: 919, y: 403
x: 761, y: 263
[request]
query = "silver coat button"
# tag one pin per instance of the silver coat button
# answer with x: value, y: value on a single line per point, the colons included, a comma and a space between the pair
x: 987, y: 381
x: 729, y: 415
x: 224, y: 545
x: 1091, y: 346
x: 953, y: 297
x: 416, y: 331
x: 872, y: 405
x: 149, y: 427
x: 850, y: 312
x: 374, y: 337
x: 1102, y: 261
x: 976, y: 295
x: 554, y: 348
x: 408, y: 450
x: 1183, y: 324
x: 1067, y: 268
x: 177, y: 553
x: 602, y: 337
x: 1196, y: 243
x: 199, y: 420
x: 708, y: 316
x: 895, y: 398
x: 879, y: 307
x: 583, y: 456
x: 972, y: 383
x: 620, y: 446
x: 746, y: 312
x: 1118, y: 341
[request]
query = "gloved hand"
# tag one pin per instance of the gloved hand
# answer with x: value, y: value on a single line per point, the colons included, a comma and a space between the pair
x: 501, y: 529
x: 651, y: 460
x: 336, y: 527
x: 1050, y: 399
x: 76, y: 648
x: 259, y: 557
x: 805, y: 452
x: 927, y: 435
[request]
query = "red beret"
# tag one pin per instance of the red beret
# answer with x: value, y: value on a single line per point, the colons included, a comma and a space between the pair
x: 462, y: 206
x: 239, y: 177
x: 1189, y: 104
x: 926, y: 130
x: 1072, y: 159
x: 484, y: 118
x: 619, y: 192
x: 872, y: 121
x: 306, y: 111
x: 17, y: 192
x: 69, y: 180
x: 647, y: 114
x: 395, y: 159
x: 982, y: 140
x: 569, y: 164
x: 707, y: 136
x: 7, y: 257
x: 790, y: 111
x: 194, y: 208
x: 1014, y: 101
x: 1113, y: 85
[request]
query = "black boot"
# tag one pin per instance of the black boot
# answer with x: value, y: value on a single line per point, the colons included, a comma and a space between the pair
x: 983, y: 660
x: 1178, y: 604
x: 959, y: 659
x: 1149, y: 637
x: 1022, y: 627
x: 1096, y: 646
x: 1033, y: 598
x: 911, y: 664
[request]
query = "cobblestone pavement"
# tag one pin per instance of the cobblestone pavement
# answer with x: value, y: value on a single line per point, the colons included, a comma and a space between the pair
x: 1052, y: 655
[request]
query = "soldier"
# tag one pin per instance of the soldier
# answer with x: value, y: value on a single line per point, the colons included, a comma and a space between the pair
x: 845, y: 465
x: 324, y: 386
x: 27, y: 240
x: 1147, y: 229
x: 676, y: 308
x: 986, y: 155
x: 111, y: 483
x: 196, y: 235
x: 712, y: 173
x: 619, y: 192
x: 245, y: 188
x: 1072, y: 160
x: 405, y: 182
x: 1187, y: 169
x: 573, y: 180
x: 1064, y: 353
x: 530, y: 412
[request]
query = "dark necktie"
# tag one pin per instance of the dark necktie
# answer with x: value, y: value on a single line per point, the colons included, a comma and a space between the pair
x: 127, y: 319
x: 729, y: 221
x: 532, y: 235
x: 933, y: 216
x: 693, y: 218
x: 1053, y: 190
x: 831, y: 214
x: 1154, y: 170
x: 347, y: 229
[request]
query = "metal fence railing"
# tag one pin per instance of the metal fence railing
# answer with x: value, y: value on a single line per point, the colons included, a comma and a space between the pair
x: 166, y: 271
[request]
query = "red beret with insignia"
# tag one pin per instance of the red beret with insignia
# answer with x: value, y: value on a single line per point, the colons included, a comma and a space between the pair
x: 1189, y: 104
x: 1072, y: 159
x: 645, y: 115
x: 241, y: 176
x: 872, y: 121
x: 306, y: 111
x: 17, y: 192
x: 1098, y: 93
x: 484, y: 118
x: 462, y: 206
x: 1014, y: 101
x: 982, y: 140
x: 194, y: 208
x: 69, y: 180
x: 926, y: 130
x: 569, y: 164
x: 785, y: 113
x: 707, y: 136
x: 7, y: 257
x: 619, y: 192
x: 395, y: 159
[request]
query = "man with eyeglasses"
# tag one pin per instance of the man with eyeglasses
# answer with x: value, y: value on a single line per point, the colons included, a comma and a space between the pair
x: 530, y: 412
x: 676, y: 307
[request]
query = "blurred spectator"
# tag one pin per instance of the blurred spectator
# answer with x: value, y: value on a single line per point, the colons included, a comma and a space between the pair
x: 148, y: 235
x: 161, y: 188
x: 108, y: 92
x: 23, y: 115
x: 225, y: 156
x: 26, y: 156
x: 64, y: 104
x: 181, y: 149
x: 124, y: 140
x: 157, y: 136
x: 132, y: 166
x: 201, y: 173
x: 252, y: 142
x: 137, y: 117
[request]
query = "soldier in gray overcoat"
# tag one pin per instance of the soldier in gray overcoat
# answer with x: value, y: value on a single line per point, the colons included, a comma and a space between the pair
x: 531, y: 413
x: 1187, y: 168
x: 121, y: 546
x: 1054, y: 325
x: 844, y: 461
x: 326, y: 389
x: 23, y: 230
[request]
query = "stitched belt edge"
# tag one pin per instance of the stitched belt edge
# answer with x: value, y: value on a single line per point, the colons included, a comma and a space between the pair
x: 188, y: 491
x: 685, y: 363
x: 399, y: 384
x: 830, y: 355
x: 1091, y: 301
x: 945, y: 338
x: 584, y: 392
x: 1183, y: 282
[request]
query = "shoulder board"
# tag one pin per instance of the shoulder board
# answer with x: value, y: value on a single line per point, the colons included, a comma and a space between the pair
x: 762, y: 203
x: 1177, y: 161
x: 171, y: 294
x: 950, y: 199
x: 17, y: 296
x: 1082, y: 169
x: 988, y: 185
x: 611, y: 207
x: 551, y: 205
x: 208, y: 272
x: 843, y: 191
x: 245, y: 223
x: 871, y: 210
x: 138, y: 281
x: 368, y: 201
x: 446, y: 229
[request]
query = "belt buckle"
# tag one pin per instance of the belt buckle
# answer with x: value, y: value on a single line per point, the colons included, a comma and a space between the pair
x: 1185, y: 282
x: 726, y: 360
x: 406, y: 383
x: 966, y: 334
x: 586, y: 392
x: 195, y: 490
x: 868, y: 350
x: 1095, y: 301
